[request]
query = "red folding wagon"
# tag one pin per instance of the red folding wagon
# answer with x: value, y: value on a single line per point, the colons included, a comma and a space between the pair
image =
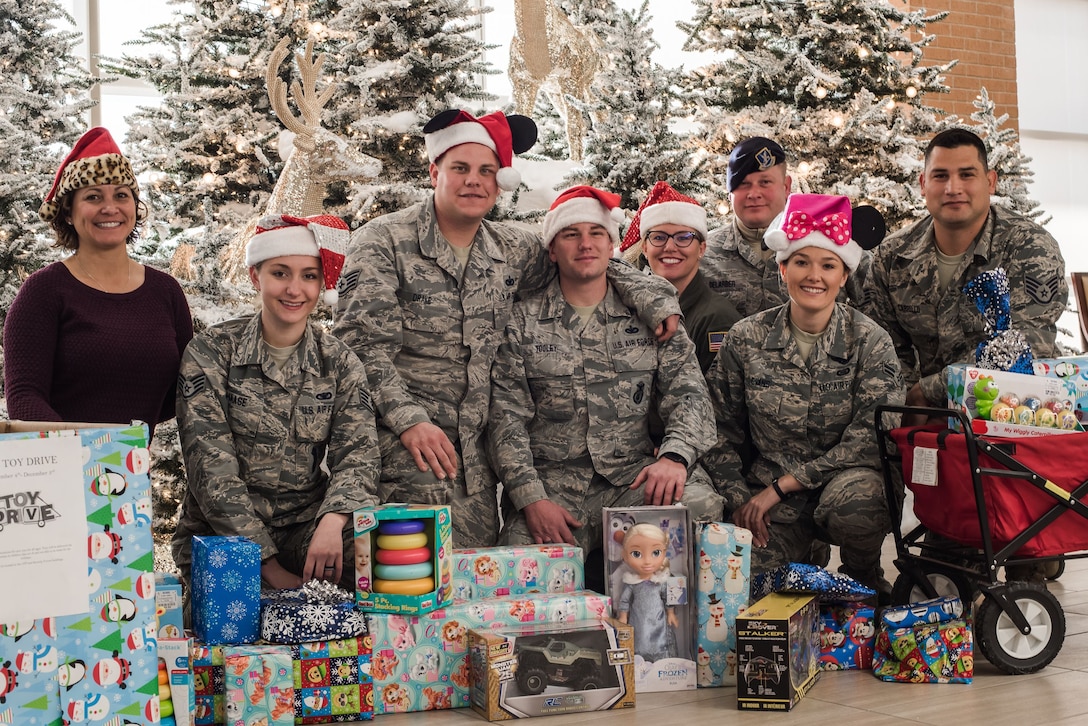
x: 985, y: 503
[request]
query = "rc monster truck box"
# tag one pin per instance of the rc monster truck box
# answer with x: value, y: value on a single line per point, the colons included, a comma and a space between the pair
x: 551, y: 668
x: 778, y: 644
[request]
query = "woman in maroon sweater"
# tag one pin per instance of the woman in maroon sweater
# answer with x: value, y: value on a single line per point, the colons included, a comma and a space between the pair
x: 96, y: 337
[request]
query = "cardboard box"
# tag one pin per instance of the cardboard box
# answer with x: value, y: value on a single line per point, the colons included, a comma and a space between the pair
x: 544, y: 669
x: 664, y: 652
x: 226, y: 596
x: 722, y: 584
x: 174, y: 652
x: 495, y: 571
x: 168, y: 605
x: 999, y: 403
x: 420, y: 662
x: 777, y: 647
x: 100, y: 663
x: 1073, y: 369
x: 438, y: 531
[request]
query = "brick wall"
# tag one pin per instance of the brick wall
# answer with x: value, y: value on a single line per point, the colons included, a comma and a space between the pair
x: 982, y: 35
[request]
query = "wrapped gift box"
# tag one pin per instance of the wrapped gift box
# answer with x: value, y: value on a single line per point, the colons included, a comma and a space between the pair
x: 1005, y: 417
x: 100, y: 664
x: 494, y: 571
x: 226, y: 597
x: 847, y: 632
x: 332, y: 681
x: 925, y: 653
x: 777, y: 648
x: 723, y: 571
x: 209, y: 685
x: 316, y: 611
x: 420, y: 662
x: 259, y: 686
x: 548, y: 668
x: 438, y: 530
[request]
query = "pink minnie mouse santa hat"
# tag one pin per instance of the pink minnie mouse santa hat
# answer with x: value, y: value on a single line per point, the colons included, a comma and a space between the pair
x: 583, y: 204
x: 828, y: 222
x: 323, y: 236
x: 505, y: 135
x: 95, y: 159
x: 665, y: 205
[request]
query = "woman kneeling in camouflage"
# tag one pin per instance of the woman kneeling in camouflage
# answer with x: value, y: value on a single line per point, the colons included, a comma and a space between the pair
x: 264, y: 401
x: 795, y: 389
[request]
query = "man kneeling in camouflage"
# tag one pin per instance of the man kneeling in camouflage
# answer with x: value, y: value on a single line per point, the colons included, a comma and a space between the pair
x: 573, y: 386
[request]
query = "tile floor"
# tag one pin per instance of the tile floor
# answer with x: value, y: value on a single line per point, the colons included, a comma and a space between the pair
x: 1057, y: 695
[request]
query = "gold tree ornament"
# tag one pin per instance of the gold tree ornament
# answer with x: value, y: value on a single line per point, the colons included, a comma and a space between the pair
x: 317, y: 158
x: 549, y: 53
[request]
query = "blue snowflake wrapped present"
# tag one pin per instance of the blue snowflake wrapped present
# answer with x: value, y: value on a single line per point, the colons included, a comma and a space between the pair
x: 801, y: 577
x: 318, y: 610
x: 226, y: 590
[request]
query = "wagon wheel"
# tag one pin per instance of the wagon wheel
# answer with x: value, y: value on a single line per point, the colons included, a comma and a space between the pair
x: 1002, y: 642
x: 1055, y: 570
x: 907, y: 590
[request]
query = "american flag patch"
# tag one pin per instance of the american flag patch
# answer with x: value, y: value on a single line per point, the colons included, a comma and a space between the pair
x: 716, y: 340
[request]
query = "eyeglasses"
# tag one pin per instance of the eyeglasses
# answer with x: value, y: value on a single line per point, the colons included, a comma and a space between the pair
x: 681, y: 239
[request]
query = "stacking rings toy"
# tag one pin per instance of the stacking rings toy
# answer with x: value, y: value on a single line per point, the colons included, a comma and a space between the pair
x: 403, y: 572
x: 403, y: 557
x: 401, y: 526
x: 401, y: 541
x: 420, y: 586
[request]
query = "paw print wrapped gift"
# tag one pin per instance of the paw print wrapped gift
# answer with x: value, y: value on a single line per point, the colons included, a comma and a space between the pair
x: 318, y: 610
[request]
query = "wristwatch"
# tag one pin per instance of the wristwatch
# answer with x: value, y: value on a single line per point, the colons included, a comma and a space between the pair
x: 673, y: 456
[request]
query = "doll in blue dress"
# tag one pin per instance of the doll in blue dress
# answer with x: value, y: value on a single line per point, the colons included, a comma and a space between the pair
x: 643, y: 601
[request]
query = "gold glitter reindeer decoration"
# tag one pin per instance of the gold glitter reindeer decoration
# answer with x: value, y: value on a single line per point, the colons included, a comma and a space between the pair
x: 319, y: 156
x: 550, y: 53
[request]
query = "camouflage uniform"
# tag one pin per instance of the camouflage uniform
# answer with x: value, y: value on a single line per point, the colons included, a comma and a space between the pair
x: 931, y: 327
x: 812, y: 419
x: 752, y: 282
x: 570, y: 411
x: 254, y: 438
x: 427, y: 336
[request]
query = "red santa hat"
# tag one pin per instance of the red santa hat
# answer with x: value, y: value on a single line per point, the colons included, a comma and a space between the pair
x: 505, y: 135
x: 665, y: 205
x: 323, y: 236
x: 95, y: 159
x: 815, y: 220
x: 583, y: 204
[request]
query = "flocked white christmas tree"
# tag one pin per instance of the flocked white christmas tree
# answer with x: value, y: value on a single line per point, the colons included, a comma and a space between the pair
x: 841, y: 85
x: 43, y: 104
x: 633, y: 143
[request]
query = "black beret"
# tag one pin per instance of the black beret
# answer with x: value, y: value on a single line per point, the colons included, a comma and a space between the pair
x: 755, y: 154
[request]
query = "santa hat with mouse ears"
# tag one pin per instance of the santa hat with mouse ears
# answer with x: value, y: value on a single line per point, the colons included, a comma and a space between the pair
x: 323, y: 236
x: 505, y: 135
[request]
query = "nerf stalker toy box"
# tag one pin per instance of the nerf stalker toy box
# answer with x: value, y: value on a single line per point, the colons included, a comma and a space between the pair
x: 552, y: 668
x: 403, y: 558
x: 78, y: 643
x: 777, y: 648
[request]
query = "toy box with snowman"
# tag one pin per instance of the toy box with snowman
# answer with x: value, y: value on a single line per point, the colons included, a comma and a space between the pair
x: 648, y: 568
x: 420, y: 662
x: 552, y: 668
x: 723, y: 565
x: 403, y: 558
x: 79, y: 642
x: 999, y: 403
x: 491, y: 571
